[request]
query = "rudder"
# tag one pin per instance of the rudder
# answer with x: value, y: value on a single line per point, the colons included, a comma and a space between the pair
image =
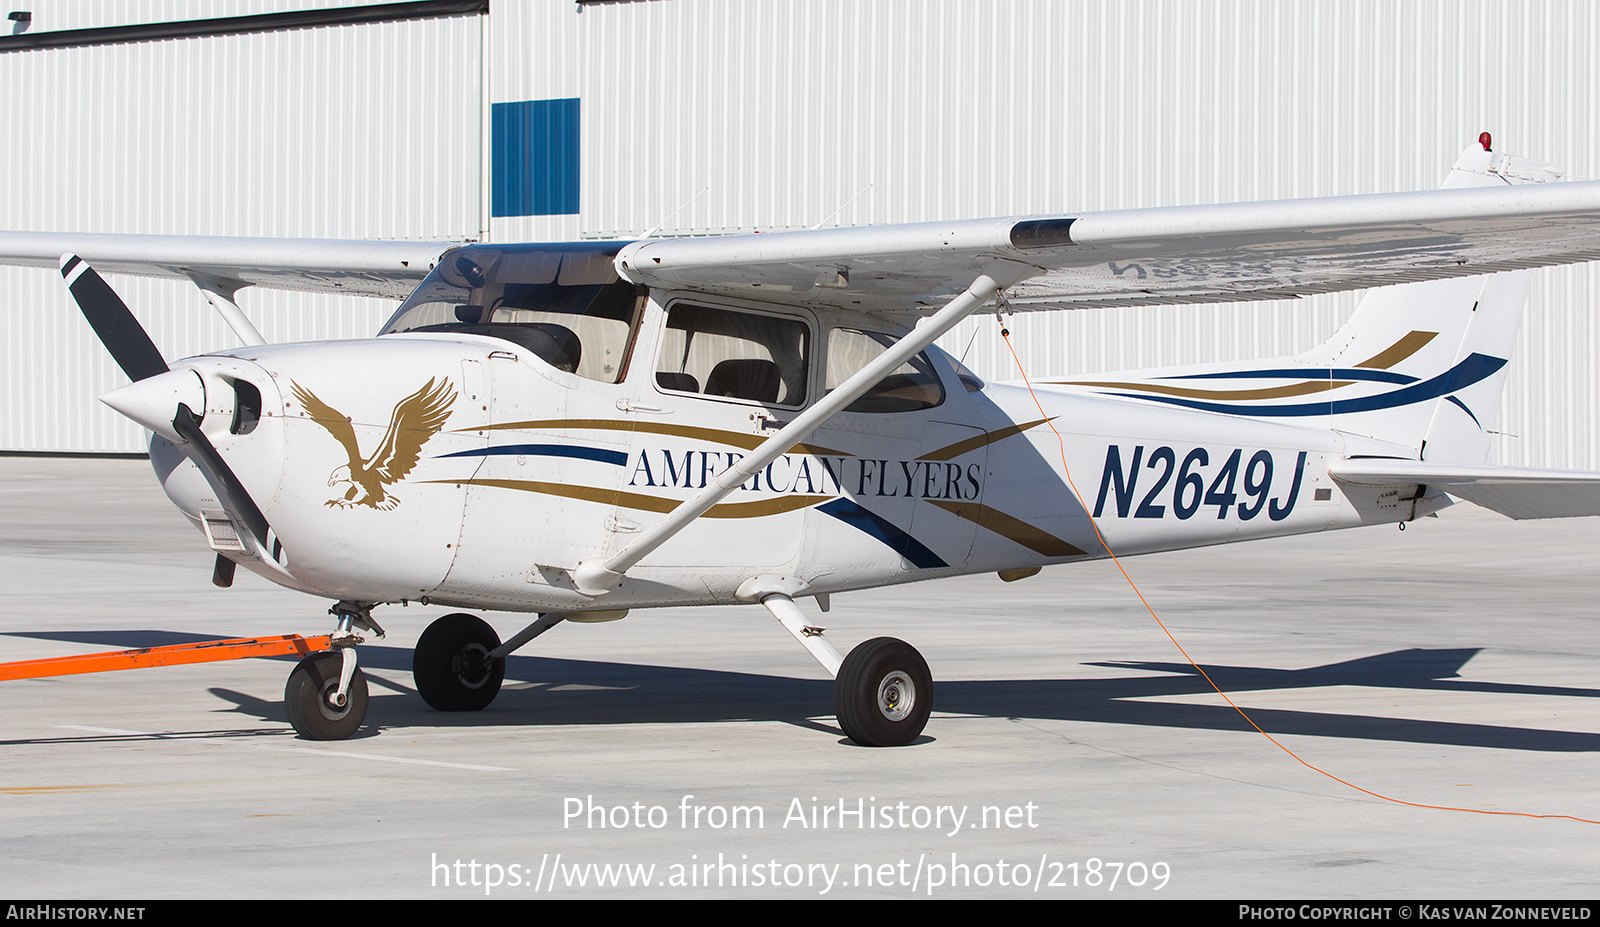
x: 1444, y: 344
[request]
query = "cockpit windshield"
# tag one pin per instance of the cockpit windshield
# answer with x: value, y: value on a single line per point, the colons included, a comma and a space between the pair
x: 565, y: 303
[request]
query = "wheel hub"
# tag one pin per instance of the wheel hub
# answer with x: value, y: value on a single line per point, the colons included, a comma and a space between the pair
x: 334, y: 708
x: 897, y: 696
x: 471, y: 666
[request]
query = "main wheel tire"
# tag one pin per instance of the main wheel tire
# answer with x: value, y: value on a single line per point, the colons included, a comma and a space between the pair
x: 451, y: 665
x: 883, y: 693
x: 308, y: 693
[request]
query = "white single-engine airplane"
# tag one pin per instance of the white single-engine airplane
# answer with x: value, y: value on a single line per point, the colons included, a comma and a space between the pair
x: 582, y: 429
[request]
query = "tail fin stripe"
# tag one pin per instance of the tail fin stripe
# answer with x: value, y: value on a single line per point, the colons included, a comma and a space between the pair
x: 1399, y: 351
x: 1474, y: 368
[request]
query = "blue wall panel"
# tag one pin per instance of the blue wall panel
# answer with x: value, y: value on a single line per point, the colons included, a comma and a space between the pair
x: 535, y: 159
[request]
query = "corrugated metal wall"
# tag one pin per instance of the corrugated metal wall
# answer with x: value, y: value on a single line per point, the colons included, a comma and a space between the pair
x: 787, y: 112
x: 328, y: 132
x: 960, y: 108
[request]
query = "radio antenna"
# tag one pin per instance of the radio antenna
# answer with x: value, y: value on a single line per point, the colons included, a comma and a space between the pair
x: 685, y: 205
x: 842, y: 208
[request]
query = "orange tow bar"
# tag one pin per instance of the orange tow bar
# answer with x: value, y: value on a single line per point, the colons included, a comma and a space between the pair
x: 170, y: 655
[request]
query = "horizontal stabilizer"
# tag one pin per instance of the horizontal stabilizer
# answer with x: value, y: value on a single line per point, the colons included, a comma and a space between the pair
x: 1515, y: 492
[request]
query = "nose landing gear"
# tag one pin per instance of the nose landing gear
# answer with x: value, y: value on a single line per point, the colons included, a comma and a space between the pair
x: 326, y: 695
x: 319, y: 707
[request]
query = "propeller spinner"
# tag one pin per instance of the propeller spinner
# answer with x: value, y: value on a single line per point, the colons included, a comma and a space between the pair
x: 162, y: 399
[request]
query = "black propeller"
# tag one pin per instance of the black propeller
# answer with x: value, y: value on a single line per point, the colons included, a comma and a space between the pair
x: 204, y: 454
x: 140, y: 359
x: 111, y: 319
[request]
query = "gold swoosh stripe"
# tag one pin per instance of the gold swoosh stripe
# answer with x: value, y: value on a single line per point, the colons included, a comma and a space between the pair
x: 1399, y: 351
x: 1383, y: 360
x: 952, y: 451
x: 1012, y: 529
x: 733, y: 438
x: 633, y: 500
x: 1190, y: 392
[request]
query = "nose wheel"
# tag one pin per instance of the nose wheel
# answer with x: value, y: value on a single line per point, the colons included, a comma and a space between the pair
x: 312, y: 700
x: 326, y: 696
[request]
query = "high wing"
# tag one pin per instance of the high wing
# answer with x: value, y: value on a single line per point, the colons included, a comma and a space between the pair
x: 1163, y: 256
x: 1185, y: 254
x: 389, y: 269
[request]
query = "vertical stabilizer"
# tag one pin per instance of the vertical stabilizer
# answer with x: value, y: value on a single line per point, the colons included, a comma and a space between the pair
x: 1439, y: 348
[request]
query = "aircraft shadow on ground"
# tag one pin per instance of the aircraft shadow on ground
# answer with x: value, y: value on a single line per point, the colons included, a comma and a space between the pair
x: 543, y: 691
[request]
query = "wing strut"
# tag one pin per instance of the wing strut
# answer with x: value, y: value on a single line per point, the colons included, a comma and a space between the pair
x: 219, y: 294
x: 595, y: 576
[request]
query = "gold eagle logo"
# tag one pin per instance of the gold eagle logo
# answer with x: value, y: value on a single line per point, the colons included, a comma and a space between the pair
x: 416, y: 418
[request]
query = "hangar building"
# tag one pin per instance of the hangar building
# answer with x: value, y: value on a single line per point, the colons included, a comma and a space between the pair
x: 539, y: 120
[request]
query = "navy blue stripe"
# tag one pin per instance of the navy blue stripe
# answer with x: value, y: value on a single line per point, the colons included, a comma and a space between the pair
x: 1337, y: 373
x: 1464, y: 409
x: 1475, y: 368
x: 617, y: 458
x: 847, y: 511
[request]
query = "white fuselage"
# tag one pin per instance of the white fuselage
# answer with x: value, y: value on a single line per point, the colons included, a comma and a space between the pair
x: 535, y: 469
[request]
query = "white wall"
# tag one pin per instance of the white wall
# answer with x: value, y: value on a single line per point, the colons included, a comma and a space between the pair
x: 786, y: 111
x: 330, y: 132
x: 965, y: 108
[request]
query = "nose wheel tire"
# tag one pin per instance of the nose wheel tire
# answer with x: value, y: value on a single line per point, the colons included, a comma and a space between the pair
x: 883, y: 693
x: 309, y: 699
x: 451, y: 665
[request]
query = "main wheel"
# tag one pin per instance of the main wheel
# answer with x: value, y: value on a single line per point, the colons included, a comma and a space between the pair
x: 308, y: 699
x: 883, y: 693
x: 451, y: 664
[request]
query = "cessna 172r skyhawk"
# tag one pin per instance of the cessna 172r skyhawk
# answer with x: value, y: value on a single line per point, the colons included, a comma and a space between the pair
x: 581, y: 429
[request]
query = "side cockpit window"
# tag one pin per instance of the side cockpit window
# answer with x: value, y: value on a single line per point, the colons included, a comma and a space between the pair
x: 564, y: 304
x: 735, y: 355
x: 913, y: 385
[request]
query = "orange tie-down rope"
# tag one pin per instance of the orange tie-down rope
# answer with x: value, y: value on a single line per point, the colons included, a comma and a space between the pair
x: 170, y: 655
x: 1005, y: 334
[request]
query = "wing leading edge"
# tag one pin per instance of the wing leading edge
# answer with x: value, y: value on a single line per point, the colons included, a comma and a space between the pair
x: 390, y: 269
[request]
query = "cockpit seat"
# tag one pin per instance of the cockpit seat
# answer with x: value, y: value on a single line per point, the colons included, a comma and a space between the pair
x: 678, y: 382
x: 556, y: 345
x: 745, y: 378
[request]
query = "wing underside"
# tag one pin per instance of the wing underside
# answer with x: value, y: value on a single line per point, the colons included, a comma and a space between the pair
x: 388, y: 269
x: 1186, y: 254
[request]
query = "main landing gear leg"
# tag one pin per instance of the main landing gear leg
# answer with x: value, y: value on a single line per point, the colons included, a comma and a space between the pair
x: 326, y: 695
x: 882, y: 691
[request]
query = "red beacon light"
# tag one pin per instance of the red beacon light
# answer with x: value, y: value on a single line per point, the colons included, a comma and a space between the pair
x: 1483, y: 139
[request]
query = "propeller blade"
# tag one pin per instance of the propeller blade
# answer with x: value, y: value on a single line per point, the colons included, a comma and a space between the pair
x: 140, y: 359
x: 235, y: 496
x: 112, y: 321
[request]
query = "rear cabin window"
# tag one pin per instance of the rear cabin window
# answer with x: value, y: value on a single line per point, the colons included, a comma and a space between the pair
x: 913, y: 385
x: 735, y: 355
